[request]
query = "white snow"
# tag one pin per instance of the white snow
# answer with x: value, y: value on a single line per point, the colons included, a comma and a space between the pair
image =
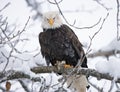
x: 112, y: 67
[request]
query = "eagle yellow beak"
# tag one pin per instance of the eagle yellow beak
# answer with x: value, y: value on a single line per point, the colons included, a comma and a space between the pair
x: 50, y: 21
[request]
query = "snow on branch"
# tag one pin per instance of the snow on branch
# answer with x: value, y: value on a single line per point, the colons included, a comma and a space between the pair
x: 88, y: 72
x: 12, y: 74
x: 103, y: 53
x: 11, y: 39
x: 111, y: 49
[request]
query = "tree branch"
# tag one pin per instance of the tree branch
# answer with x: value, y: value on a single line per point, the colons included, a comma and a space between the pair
x: 95, y: 86
x: 24, y: 86
x: 72, y: 25
x: 90, y: 72
x: 5, y: 6
x: 103, y: 5
x: 11, y: 74
x: 103, y: 53
x: 117, y: 19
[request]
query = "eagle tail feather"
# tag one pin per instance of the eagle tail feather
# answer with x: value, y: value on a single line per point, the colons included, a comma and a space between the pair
x: 77, y: 82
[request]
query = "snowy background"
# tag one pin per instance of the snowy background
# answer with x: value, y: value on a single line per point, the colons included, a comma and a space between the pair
x: 86, y: 13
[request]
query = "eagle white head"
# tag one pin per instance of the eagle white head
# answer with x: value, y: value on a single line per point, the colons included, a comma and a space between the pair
x: 51, y: 20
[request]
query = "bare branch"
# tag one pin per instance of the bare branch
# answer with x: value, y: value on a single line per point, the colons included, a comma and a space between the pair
x: 118, y: 20
x: 73, y: 25
x: 54, y: 3
x: 11, y: 74
x: 117, y: 86
x: 5, y: 6
x: 91, y: 38
x: 101, y: 4
x: 112, y: 85
x: 96, y: 87
x: 11, y: 44
x: 8, y: 58
x: 24, y: 86
x: 24, y: 28
x: 8, y: 38
x: 3, y: 89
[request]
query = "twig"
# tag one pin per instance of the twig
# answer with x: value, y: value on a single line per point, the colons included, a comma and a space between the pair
x: 117, y: 86
x: 5, y: 6
x: 91, y: 38
x: 112, y: 85
x: 53, y: 2
x: 96, y: 87
x: 24, y: 86
x: 73, y: 25
x: 8, y: 58
x: 117, y: 19
x: 3, y: 89
x: 98, y: 1
x: 7, y: 40
x: 20, y: 32
x: 11, y: 74
x: 17, y: 35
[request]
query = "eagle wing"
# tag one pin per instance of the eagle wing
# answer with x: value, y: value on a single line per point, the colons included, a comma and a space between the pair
x: 76, y: 44
x: 42, y: 41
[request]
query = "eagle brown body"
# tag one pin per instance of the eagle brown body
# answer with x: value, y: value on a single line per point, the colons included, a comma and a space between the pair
x: 61, y: 44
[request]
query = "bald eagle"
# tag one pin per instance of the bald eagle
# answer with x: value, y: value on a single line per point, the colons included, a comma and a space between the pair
x: 59, y: 43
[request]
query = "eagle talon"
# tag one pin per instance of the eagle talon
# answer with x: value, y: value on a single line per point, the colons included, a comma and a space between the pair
x: 67, y: 66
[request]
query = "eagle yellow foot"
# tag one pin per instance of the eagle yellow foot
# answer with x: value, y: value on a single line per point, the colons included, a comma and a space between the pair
x: 67, y: 66
x: 60, y: 64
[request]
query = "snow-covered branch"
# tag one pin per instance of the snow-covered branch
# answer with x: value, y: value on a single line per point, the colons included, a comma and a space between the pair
x: 11, y: 74
x: 103, y: 53
x: 88, y: 72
